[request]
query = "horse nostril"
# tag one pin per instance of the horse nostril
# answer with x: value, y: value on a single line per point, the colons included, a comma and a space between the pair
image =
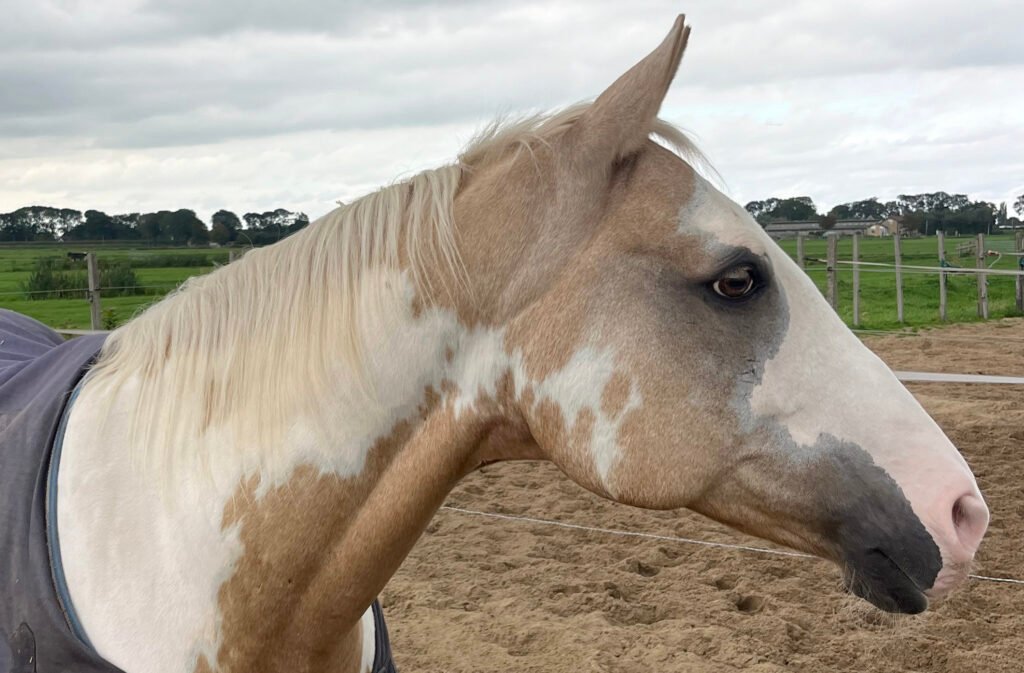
x: 970, y: 519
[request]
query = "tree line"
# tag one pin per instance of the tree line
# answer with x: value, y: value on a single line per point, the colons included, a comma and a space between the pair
x: 178, y: 227
x: 923, y: 213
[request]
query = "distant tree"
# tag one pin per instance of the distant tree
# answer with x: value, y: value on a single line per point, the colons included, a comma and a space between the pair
x: 273, y: 225
x: 183, y: 227
x: 180, y: 227
x: 149, y: 225
x: 253, y: 221
x: 934, y: 202
x: 38, y: 223
x: 128, y: 222
x: 841, y: 211
x: 200, y: 234
x: 35, y: 222
x: 978, y: 217
x: 866, y: 209
x: 1018, y: 205
x: 827, y: 221
x: 13, y: 228
x: 67, y: 219
x: 99, y: 222
x: 915, y: 221
x: 795, y: 209
x: 892, y: 209
x: 219, y: 233
x: 96, y: 226
x: 177, y: 226
x: 226, y: 221
x: 299, y: 221
x: 761, y: 209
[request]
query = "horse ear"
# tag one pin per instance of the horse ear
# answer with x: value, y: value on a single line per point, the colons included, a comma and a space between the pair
x: 620, y: 120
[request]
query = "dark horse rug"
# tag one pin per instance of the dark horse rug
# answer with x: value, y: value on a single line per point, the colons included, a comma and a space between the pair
x: 39, y: 632
x: 38, y: 371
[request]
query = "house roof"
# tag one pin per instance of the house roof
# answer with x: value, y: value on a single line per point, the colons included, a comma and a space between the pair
x: 812, y: 225
x: 809, y: 225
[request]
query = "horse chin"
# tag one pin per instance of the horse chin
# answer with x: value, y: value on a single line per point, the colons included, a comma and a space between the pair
x: 880, y: 581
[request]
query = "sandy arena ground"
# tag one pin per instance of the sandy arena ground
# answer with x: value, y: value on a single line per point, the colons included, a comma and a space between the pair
x: 480, y: 595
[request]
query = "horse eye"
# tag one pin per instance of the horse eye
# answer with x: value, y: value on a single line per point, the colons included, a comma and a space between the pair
x: 737, y: 283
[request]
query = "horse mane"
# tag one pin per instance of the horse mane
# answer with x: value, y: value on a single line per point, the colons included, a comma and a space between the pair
x: 252, y: 344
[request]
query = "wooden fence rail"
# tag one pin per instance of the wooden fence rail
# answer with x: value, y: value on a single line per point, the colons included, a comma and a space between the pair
x: 899, y: 275
x: 832, y: 289
x: 982, y: 281
x: 94, y: 290
x: 1020, y: 264
x: 944, y: 270
x: 833, y: 273
x: 943, y: 314
x: 856, y: 280
x: 93, y: 271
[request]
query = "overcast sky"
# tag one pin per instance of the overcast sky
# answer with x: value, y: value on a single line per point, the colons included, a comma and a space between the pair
x: 127, y: 105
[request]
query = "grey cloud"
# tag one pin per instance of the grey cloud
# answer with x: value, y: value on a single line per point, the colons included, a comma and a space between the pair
x: 786, y: 96
x: 387, y: 63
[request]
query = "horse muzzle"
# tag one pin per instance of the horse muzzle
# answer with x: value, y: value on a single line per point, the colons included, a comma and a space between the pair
x: 874, y: 576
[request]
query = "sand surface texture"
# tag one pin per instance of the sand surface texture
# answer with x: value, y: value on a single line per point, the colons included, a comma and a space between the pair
x: 480, y: 594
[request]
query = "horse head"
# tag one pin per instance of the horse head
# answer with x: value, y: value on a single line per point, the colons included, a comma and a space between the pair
x: 672, y: 355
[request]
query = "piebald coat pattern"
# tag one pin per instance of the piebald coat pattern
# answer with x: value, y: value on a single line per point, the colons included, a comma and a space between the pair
x: 253, y: 457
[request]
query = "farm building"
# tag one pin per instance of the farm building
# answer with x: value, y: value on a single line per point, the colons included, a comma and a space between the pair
x: 886, y: 227
x: 779, y: 230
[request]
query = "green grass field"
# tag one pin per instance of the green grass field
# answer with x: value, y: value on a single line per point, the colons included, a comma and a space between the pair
x: 878, y: 287
x: 920, y: 289
x: 17, y: 262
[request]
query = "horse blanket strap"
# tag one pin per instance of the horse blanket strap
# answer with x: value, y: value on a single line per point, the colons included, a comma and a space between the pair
x: 382, y: 660
x: 38, y: 371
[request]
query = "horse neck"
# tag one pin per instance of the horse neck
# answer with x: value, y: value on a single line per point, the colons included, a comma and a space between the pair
x: 294, y: 548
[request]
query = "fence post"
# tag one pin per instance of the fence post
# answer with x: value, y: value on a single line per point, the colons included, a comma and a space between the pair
x: 1020, y: 268
x: 833, y: 286
x: 856, y: 279
x: 93, y: 270
x: 899, y: 275
x: 982, y: 281
x: 800, y: 260
x: 232, y: 256
x: 941, y: 235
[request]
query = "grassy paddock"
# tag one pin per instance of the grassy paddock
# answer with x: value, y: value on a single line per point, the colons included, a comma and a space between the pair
x: 156, y: 269
x: 920, y: 290
x: 159, y: 270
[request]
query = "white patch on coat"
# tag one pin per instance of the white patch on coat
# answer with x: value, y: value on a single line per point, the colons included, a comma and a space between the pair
x: 369, y: 640
x: 143, y: 578
x: 482, y: 360
x: 143, y: 570
x: 720, y: 220
x: 579, y: 387
x: 165, y: 559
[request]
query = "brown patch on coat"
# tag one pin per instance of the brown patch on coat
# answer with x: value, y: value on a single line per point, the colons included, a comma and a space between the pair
x: 319, y: 548
x: 616, y: 394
